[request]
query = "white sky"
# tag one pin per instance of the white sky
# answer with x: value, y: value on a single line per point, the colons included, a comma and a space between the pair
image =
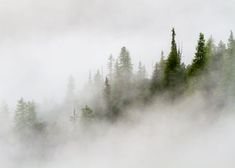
x: 42, y: 42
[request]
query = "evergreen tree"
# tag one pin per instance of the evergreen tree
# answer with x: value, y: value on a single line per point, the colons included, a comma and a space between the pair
x: 141, y: 74
x: 200, y: 60
x: 4, y: 111
x: 25, y: 115
x: 229, y: 69
x: 98, y: 82
x: 107, y: 97
x: 87, y: 113
x: 107, y: 90
x: 158, y: 75
x: 20, y: 113
x: 117, y: 70
x: 171, y: 72
x: 125, y: 65
x: 110, y: 67
x: 231, y: 42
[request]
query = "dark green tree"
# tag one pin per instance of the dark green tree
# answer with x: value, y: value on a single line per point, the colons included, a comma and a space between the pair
x: 172, y: 68
x: 200, y: 59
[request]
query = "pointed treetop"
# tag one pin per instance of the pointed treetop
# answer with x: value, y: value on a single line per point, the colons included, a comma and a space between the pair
x: 231, y: 35
x: 173, y: 43
x: 173, y: 32
x: 231, y: 41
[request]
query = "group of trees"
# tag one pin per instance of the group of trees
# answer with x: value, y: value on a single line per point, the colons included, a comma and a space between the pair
x: 212, y: 71
x: 26, y: 118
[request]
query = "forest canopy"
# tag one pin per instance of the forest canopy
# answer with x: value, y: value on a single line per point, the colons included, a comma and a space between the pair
x: 106, y: 97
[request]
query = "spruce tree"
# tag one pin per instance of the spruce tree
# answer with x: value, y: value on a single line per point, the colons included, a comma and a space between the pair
x: 158, y: 75
x: 20, y: 114
x: 98, y: 82
x: 25, y: 115
x: 107, y: 90
x: 110, y: 67
x: 107, y: 96
x: 229, y: 70
x: 172, y: 65
x: 200, y: 60
x: 141, y: 74
x: 125, y: 65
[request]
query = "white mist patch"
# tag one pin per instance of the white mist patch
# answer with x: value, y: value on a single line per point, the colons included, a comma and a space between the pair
x: 189, y: 134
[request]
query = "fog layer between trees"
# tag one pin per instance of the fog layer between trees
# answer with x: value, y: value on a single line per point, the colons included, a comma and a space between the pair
x: 179, y: 116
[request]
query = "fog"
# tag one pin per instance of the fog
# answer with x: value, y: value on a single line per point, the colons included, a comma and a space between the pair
x: 185, y: 134
x: 45, y: 44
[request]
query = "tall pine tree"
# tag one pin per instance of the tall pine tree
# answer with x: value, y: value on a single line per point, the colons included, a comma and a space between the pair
x: 172, y: 68
x: 200, y: 60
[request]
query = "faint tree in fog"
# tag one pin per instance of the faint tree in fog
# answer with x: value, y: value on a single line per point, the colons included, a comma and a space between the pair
x: 158, y: 75
x: 25, y: 115
x: 110, y: 67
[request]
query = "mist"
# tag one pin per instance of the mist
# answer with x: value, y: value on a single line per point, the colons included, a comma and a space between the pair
x: 102, y: 83
x: 38, y: 38
x: 186, y: 134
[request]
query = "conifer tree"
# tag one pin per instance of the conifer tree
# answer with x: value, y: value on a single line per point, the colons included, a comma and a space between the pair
x: 110, y: 67
x: 200, y: 60
x: 229, y: 70
x: 141, y: 74
x: 172, y: 67
x: 98, y: 80
x: 125, y: 65
x: 107, y: 96
x: 25, y: 115
x: 20, y: 113
x: 87, y: 113
x: 158, y: 75
x: 107, y: 90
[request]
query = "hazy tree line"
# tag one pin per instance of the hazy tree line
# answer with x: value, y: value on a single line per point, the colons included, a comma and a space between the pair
x: 211, y: 72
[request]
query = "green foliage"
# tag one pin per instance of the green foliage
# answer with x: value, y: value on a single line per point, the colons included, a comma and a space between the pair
x: 173, y: 72
x: 212, y: 71
x: 141, y: 73
x: 229, y: 67
x: 158, y: 76
x: 200, y: 59
x: 124, y: 64
x: 25, y: 115
x: 107, y: 90
x: 87, y: 113
x: 125, y: 60
x: 110, y: 67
